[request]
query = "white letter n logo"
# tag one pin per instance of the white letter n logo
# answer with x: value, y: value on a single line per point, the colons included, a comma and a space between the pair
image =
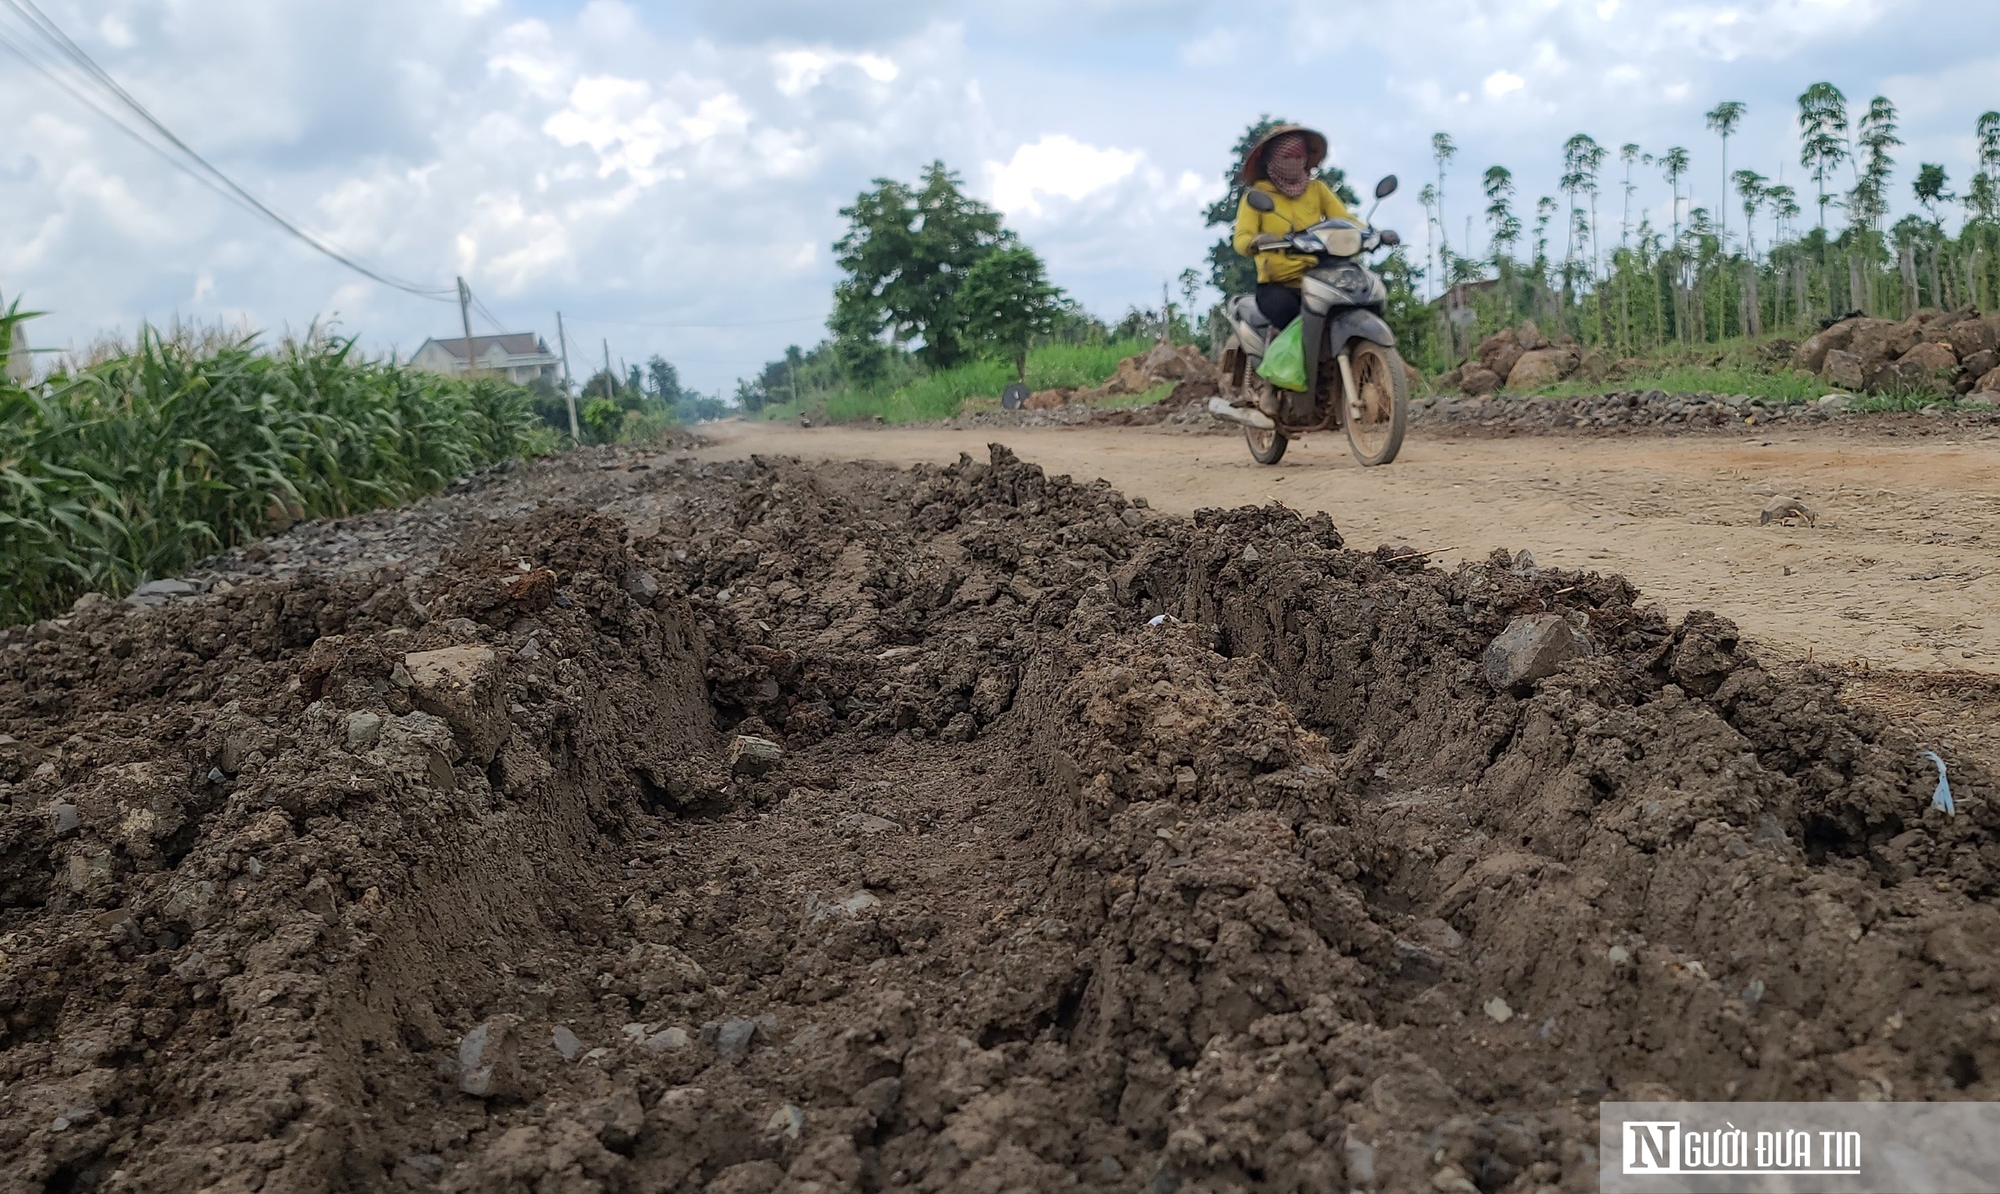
x: 1652, y: 1146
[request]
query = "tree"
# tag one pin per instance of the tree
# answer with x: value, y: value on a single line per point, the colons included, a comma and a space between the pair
x: 1674, y: 164
x: 1629, y: 153
x: 1442, y: 152
x: 1750, y: 187
x: 1545, y: 210
x: 1428, y: 197
x: 1876, y: 135
x: 1582, y: 156
x: 1929, y: 187
x: 663, y: 380
x: 1822, y: 136
x: 1723, y: 120
x: 905, y: 254
x: 1007, y: 301
x: 1784, y: 203
x: 1982, y: 197
x: 1504, y: 227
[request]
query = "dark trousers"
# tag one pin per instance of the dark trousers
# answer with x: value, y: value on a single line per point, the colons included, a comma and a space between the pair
x: 1278, y: 302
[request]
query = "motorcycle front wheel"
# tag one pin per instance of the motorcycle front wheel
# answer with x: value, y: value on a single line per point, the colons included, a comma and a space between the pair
x: 1266, y: 447
x: 1379, y: 412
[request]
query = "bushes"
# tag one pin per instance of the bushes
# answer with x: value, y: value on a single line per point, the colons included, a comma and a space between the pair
x: 154, y: 458
x: 940, y: 395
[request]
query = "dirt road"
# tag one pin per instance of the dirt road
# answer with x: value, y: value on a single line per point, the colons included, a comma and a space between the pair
x: 1899, y: 572
x: 619, y: 825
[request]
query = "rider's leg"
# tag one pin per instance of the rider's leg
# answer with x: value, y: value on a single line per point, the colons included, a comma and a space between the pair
x: 1278, y: 302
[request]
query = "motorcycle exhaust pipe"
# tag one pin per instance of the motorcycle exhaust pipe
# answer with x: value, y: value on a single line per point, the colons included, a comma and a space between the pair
x: 1220, y: 408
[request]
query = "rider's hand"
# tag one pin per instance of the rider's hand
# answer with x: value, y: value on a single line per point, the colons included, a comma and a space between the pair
x: 1266, y: 241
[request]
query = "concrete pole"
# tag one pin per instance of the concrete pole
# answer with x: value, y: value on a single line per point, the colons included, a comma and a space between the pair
x: 465, y: 319
x: 569, y: 387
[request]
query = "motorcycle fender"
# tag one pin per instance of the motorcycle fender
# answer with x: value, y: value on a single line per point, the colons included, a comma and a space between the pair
x: 1356, y: 323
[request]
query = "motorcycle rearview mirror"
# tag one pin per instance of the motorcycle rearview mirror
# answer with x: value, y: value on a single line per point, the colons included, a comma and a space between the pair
x: 1259, y: 201
x: 1383, y: 190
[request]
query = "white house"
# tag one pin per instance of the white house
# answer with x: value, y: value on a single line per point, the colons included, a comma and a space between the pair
x: 520, y: 357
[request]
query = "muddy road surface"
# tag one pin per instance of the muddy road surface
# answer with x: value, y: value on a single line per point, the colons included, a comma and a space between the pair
x: 1901, y: 570
x: 748, y: 826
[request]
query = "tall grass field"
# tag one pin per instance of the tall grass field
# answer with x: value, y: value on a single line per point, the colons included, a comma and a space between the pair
x: 156, y: 456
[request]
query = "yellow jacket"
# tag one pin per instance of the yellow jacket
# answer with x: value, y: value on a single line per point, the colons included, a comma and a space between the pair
x: 1290, y: 215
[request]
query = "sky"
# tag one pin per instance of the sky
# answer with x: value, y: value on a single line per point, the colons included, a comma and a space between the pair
x: 669, y: 175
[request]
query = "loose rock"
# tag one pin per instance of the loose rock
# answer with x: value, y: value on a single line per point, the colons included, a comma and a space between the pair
x: 1532, y: 648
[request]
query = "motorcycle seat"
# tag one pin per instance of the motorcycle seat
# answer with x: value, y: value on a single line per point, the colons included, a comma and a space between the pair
x: 1246, y: 309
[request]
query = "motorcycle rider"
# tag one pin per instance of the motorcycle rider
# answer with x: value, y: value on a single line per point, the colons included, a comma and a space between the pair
x: 1281, y: 164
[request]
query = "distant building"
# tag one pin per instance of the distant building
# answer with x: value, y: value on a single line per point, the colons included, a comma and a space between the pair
x: 520, y: 357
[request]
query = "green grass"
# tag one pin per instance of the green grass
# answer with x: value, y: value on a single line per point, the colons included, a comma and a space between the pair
x: 948, y: 392
x: 1692, y: 378
x: 156, y: 456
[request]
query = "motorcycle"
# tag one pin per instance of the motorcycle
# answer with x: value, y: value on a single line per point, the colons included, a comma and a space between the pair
x: 1355, y: 379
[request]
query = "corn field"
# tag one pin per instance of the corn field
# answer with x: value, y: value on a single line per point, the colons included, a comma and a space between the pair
x: 138, y: 465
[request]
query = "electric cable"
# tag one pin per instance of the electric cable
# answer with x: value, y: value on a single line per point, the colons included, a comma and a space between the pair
x: 39, y: 23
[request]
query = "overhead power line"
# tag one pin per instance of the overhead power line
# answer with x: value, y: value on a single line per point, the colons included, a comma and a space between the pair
x: 754, y: 323
x: 51, y: 53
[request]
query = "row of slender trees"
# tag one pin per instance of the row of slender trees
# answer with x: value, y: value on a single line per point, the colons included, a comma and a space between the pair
x: 1706, y: 276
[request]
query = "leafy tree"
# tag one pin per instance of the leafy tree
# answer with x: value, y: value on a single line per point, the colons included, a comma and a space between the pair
x: 1723, y: 120
x: 663, y: 380
x: 1442, y: 152
x: 1505, y: 227
x: 1750, y: 186
x: 1823, y: 136
x: 1929, y: 187
x: 905, y: 254
x: 1229, y: 271
x: 601, y: 418
x: 1630, y: 154
x: 1545, y: 210
x: 1582, y: 156
x: 1876, y: 134
x: 604, y: 384
x: 1784, y: 203
x: 1007, y: 301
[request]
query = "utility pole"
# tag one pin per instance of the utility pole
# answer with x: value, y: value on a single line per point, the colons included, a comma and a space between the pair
x: 1166, y: 315
x: 465, y: 318
x: 569, y: 387
x: 609, y: 380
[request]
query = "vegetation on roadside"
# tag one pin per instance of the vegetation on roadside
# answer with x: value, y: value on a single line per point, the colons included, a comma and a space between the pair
x: 135, y: 466
x: 1761, y: 256
x: 947, y: 392
x: 940, y: 304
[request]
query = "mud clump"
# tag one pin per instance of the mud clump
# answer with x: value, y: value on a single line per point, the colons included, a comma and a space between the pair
x: 947, y: 829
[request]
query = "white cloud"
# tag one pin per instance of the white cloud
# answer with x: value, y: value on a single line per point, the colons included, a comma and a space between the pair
x: 799, y: 71
x: 657, y: 164
x: 1056, y: 165
x: 115, y: 32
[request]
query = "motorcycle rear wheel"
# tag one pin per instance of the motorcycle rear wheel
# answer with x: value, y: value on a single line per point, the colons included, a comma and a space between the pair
x: 1379, y: 412
x: 1266, y: 447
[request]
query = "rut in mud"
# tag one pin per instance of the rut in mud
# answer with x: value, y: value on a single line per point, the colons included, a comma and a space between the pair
x: 1107, y: 850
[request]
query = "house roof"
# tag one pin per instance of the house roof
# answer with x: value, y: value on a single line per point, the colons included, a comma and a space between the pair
x: 514, y: 344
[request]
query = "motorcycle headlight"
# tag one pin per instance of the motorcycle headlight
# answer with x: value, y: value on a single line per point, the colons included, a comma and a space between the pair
x: 1341, y: 242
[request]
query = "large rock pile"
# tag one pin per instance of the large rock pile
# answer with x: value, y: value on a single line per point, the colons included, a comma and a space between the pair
x: 1194, y: 378
x: 1520, y: 359
x: 1947, y: 352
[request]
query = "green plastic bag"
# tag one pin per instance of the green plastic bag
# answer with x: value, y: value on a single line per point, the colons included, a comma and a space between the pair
x: 1285, y: 360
